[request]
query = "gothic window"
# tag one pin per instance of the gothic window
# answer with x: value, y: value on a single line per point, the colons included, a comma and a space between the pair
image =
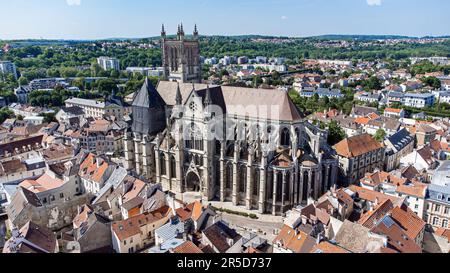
x: 288, y: 186
x: 305, y: 186
x: 193, y: 107
x: 297, y: 133
x: 269, y: 187
x: 173, y: 167
x: 162, y: 163
x: 285, y: 137
x: 172, y: 59
x: 242, y: 178
x: 244, y: 152
x: 230, y: 150
x: 176, y: 59
x: 324, y: 177
x: 218, y: 147
x: 279, y: 186
x: 229, y: 176
x: 194, y: 140
x: 256, y: 178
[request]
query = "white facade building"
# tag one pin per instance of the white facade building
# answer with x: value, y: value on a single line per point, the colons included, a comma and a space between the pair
x: 6, y: 68
x: 418, y: 100
x: 107, y: 63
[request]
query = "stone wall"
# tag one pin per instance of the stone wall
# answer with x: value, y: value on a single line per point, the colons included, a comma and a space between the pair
x: 54, y: 216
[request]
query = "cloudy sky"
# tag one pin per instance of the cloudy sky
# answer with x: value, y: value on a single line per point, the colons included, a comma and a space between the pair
x: 93, y: 19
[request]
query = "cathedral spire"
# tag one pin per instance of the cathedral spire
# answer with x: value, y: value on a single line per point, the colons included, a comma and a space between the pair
x: 195, y: 32
x: 163, y: 31
x: 178, y: 97
x: 208, y: 100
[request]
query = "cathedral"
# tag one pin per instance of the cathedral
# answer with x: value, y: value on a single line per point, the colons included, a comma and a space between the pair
x: 246, y: 146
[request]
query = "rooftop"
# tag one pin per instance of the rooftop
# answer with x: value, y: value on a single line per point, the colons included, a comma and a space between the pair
x: 357, y: 146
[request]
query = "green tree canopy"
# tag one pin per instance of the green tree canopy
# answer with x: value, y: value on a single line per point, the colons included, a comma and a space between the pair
x: 380, y: 135
x: 335, y: 133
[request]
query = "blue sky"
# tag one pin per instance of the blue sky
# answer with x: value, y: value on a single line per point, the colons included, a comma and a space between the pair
x: 92, y: 19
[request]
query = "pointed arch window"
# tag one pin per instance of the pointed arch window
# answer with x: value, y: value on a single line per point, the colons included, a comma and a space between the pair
x: 243, y: 179
x: 162, y: 163
x: 173, y: 167
x: 285, y: 137
x: 194, y: 139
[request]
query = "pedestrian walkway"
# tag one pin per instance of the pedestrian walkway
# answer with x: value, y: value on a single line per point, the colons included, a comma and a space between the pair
x: 261, y: 217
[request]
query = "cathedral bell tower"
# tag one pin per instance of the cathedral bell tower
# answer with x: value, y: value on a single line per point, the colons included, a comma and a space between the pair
x: 181, y: 56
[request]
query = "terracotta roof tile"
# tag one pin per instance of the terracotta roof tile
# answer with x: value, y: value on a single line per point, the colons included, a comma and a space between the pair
x: 327, y: 247
x: 357, y: 145
x: 371, y: 218
x: 131, y: 226
x: 408, y: 221
x: 187, y: 247
x: 295, y: 240
x: 397, y: 238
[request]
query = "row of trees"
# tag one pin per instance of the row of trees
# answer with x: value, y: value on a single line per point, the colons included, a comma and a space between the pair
x: 302, y: 49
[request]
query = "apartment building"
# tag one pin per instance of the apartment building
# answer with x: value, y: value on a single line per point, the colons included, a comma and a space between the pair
x: 108, y: 63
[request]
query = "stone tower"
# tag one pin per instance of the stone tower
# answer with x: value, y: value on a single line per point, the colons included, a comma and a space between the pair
x: 149, y: 119
x: 181, y: 57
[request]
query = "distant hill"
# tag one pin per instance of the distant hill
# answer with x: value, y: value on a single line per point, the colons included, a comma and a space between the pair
x: 237, y: 37
x: 361, y: 37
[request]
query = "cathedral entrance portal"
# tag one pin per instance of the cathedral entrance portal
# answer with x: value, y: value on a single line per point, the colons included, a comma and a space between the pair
x: 192, y: 182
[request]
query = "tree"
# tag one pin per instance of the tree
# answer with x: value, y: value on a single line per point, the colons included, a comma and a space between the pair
x: 48, y: 118
x: 106, y: 86
x: 315, y: 98
x: 432, y: 82
x: 257, y: 81
x: 114, y: 74
x: 335, y: 133
x: 95, y: 69
x: 79, y: 82
x: 380, y: 135
x: 5, y: 114
x: 23, y: 81
x: 373, y: 83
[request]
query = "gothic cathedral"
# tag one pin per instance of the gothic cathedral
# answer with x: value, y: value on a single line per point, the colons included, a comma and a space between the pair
x: 267, y: 161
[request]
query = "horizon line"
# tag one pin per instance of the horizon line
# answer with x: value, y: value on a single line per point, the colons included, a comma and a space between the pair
x: 225, y: 35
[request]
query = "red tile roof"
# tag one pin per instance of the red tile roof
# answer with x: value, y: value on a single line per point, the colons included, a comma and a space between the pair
x: 408, y: 221
x: 131, y: 226
x: 357, y: 145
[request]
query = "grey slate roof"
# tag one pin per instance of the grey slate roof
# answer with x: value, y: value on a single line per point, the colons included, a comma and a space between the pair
x: 75, y: 110
x: 439, y: 194
x: 441, y: 175
x: 363, y: 110
x: 117, y: 176
x: 231, y: 99
x: 148, y: 97
x: 170, y: 230
x: 401, y: 139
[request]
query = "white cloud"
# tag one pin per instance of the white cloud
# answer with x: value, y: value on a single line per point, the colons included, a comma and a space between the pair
x: 284, y: 17
x: 374, y: 2
x: 73, y: 2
